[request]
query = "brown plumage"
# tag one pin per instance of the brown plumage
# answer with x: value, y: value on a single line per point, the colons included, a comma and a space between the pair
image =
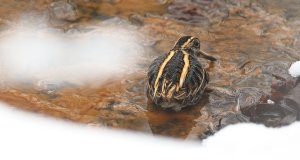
x: 177, y: 79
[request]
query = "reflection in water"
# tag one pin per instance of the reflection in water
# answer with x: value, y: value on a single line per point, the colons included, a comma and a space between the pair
x: 254, y: 43
x: 171, y: 123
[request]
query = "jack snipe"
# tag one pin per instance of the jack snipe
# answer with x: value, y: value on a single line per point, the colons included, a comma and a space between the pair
x: 177, y: 79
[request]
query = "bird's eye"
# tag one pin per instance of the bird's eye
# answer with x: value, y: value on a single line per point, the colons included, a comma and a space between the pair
x: 196, y: 44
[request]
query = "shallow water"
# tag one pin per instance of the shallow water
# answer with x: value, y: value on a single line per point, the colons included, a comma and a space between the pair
x: 255, y: 43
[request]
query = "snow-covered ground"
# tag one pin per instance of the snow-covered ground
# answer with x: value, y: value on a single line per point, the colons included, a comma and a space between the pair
x: 30, y: 136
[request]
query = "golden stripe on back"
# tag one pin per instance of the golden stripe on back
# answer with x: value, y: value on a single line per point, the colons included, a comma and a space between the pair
x: 185, y: 69
x: 161, y: 69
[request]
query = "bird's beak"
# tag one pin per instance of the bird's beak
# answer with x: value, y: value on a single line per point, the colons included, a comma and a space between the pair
x: 206, y: 56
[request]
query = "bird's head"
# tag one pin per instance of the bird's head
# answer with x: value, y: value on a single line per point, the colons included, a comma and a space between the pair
x: 192, y: 46
x: 188, y: 43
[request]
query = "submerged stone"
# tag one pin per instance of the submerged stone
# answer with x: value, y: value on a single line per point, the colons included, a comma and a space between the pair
x: 64, y: 10
x: 272, y: 115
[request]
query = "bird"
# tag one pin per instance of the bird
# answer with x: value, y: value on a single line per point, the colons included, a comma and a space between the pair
x: 177, y: 79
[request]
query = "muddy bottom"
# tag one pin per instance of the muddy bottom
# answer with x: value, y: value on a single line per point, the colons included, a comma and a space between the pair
x: 255, y: 43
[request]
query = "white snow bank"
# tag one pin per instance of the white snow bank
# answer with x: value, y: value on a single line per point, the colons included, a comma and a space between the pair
x: 295, y: 69
x: 30, y: 53
x: 29, y: 136
x: 251, y: 141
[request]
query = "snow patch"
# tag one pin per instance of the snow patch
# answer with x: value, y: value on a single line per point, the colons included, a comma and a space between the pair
x: 295, y: 69
x: 30, y: 53
x: 30, y: 136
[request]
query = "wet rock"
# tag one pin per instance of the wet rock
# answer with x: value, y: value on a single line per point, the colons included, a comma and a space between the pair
x: 294, y: 94
x: 277, y: 69
x: 239, y: 3
x: 232, y: 119
x: 136, y: 19
x: 290, y: 52
x: 50, y: 88
x: 188, y: 12
x: 273, y: 80
x: 291, y: 100
x: 289, y: 8
x: 124, y: 109
x: 202, y: 12
x: 248, y: 97
x: 261, y: 81
x: 200, y: 131
x: 271, y: 115
x: 221, y: 103
x: 282, y: 88
x: 281, y: 112
x: 111, y: 1
x: 64, y: 10
x: 121, y: 115
x: 291, y: 105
